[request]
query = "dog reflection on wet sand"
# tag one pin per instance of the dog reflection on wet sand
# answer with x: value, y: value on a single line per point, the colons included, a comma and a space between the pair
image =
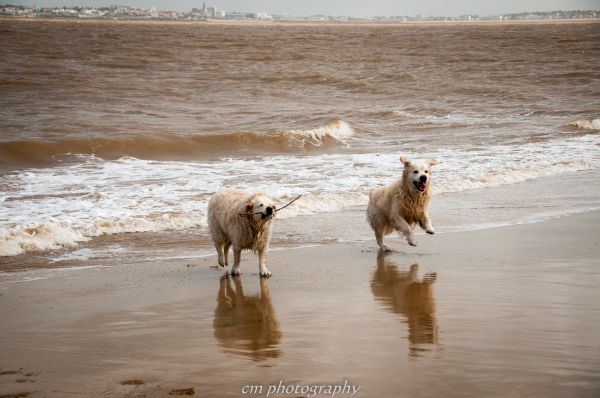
x: 404, y: 294
x: 246, y: 325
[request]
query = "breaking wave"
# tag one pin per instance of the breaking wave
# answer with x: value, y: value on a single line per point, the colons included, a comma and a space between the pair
x: 336, y: 130
x: 56, y: 234
x: 175, y: 147
x: 593, y: 124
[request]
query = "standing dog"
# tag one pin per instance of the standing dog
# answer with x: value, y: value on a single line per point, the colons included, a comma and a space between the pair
x: 403, y: 204
x: 244, y: 221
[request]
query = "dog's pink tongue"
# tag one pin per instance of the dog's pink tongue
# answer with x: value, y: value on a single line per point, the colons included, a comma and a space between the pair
x: 422, y: 185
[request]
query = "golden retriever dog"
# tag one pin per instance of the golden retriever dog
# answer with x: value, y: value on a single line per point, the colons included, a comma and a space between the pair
x: 402, y: 205
x: 244, y: 221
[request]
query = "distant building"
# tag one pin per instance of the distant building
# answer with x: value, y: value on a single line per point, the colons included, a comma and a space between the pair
x: 91, y: 13
x: 207, y: 12
x: 235, y: 15
x: 263, y: 16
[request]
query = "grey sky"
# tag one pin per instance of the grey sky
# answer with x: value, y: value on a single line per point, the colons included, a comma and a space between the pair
x: 355, y: 8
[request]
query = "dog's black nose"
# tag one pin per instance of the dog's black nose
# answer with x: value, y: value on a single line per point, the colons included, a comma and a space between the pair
x: 423, y: 179
x: 269, y: 210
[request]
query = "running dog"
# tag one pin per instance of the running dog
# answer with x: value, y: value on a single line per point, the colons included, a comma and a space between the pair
x: 402, y: 205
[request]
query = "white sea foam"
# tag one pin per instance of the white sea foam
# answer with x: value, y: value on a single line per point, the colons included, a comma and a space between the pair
x: 593, y: 124
x: 59, y: 207
x: 337, y: 129
x: 449, y: 118
x: 86, y: 254
x: 40, y: 274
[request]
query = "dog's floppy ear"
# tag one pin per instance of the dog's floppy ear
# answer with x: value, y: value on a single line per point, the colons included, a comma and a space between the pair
x: 406, y: 161
x: 432, y: 162
x: 249, y: 207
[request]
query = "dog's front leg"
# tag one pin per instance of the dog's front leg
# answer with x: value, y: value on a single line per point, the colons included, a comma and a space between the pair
x: 425, y: 223
x: 401, y: 225
x: 262, y: 262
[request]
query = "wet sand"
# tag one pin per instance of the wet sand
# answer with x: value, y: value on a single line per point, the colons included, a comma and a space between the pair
x: 512, y: 311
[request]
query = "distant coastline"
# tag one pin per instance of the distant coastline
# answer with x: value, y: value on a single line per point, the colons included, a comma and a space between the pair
x: 211, y: 14
x: 5, y: 18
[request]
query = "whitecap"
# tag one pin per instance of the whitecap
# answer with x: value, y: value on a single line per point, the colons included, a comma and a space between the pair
x: 593, y: 124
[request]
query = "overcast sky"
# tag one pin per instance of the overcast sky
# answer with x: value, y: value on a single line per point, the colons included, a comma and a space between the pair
x: 354, y: 8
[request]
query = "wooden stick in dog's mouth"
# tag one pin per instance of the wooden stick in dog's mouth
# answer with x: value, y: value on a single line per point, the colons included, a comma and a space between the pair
x: 276, y: 210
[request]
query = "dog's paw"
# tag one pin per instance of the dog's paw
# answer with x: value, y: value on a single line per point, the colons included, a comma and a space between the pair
x: 411, y: 242
x: 385, y: 249
x: 234, y: 272
x: 265, y: 274
x: 430, y: 231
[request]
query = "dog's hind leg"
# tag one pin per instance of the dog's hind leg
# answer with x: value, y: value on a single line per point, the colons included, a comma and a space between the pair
x: 221, y: 260
x: 379, y: 234
x: 237, y: 256
x: 226, y: 247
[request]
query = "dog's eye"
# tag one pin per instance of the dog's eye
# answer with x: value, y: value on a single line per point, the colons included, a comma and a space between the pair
x: 426, y: 172
x: 415, y: 172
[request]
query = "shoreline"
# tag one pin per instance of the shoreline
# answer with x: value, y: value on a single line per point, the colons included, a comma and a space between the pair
x: 476, y: 300
x: 52, y: 263
x: 527, y: 202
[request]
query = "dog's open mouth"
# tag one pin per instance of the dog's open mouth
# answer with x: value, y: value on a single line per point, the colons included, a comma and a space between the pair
x: 421, y: 186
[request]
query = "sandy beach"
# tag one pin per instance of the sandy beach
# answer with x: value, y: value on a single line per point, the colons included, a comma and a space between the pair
x: 511, y: 311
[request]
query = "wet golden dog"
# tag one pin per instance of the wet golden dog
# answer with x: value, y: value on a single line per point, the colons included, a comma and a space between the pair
x: 242, y: 221
x: 402, y: 205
